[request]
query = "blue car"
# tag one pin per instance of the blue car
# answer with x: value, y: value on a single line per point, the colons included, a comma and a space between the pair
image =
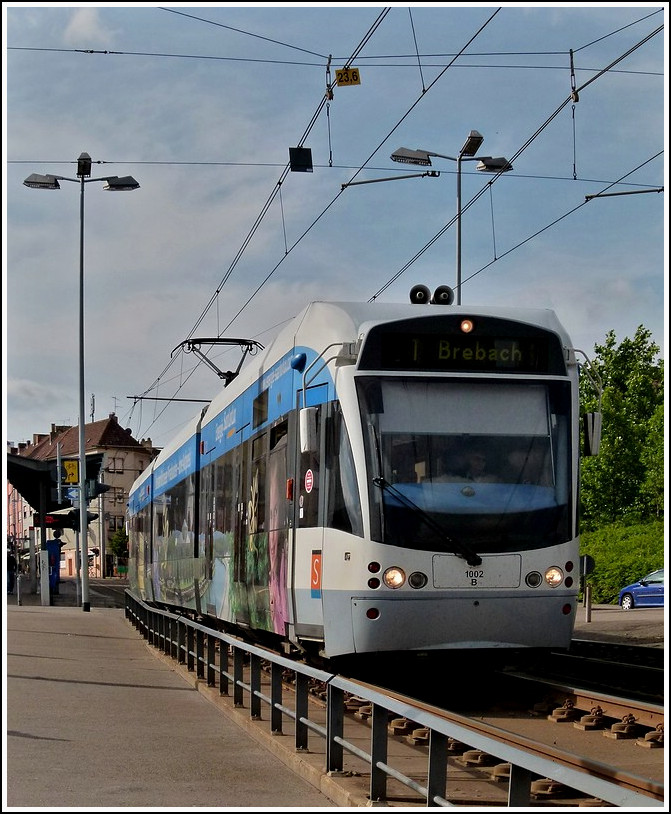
x: 646, y: 593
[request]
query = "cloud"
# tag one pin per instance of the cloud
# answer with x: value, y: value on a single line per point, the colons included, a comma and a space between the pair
x: 203, y: 116
x: 86, y: 29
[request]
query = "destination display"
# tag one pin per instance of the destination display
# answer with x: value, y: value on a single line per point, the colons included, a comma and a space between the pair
x: 494, y: 348
x: 464, y: 352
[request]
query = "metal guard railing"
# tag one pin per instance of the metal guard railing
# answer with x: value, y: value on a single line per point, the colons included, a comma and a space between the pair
x: 195, y: 645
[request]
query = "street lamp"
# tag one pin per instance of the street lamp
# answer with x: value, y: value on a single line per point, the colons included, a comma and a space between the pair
x: 470, y: 147
x: 112, y: 182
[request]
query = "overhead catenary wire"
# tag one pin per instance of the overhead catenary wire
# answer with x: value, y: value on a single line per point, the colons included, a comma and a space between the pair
x: 567, y: 214
x: 488, y: 186
x: 279, y: 192
x: 516, y: 155
x: 286, y: 171
x: 419, y: 61
x: 271, y: 197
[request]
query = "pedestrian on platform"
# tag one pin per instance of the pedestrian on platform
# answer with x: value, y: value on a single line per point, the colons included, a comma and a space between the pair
x: 11, y: 572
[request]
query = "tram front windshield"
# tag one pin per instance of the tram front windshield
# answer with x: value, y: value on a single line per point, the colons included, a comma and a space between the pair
x: 482, y: 464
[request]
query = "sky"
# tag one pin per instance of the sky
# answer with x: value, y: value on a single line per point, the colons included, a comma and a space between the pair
x: 201, y: 105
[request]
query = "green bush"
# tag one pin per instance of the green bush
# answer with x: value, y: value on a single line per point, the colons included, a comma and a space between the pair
x: 622, y: 554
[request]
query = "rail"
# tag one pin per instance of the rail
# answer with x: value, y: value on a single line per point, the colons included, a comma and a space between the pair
x: 196, y: 646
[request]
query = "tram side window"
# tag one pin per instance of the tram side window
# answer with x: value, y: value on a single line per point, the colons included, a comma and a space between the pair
x: 260, y: 409
x: 309, y: 485
x: 160, y: 518
x: 144, y: 529
x: 225, y: 506
x: 180, y: 515
x: 257, y: 500
x: 344, y: 506
x: 206, y: 504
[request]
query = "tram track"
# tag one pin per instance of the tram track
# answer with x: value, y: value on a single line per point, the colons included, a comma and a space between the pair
x: 632, y: 671
x: 615, y: 739
x: 598, y: 708
x: 574, y: 745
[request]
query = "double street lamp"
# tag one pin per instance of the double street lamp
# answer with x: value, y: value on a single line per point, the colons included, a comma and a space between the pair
x: 468, y: 152
x: 111, y: 183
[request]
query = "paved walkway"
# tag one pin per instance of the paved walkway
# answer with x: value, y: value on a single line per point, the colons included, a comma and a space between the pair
x: 609, y: 623
x: 93, y: 719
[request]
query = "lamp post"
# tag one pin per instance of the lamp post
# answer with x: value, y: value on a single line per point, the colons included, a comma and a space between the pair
x: 112, y: 183
x: 470, y: 147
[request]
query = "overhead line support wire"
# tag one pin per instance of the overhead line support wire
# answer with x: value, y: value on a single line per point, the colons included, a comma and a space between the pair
x: 285, y: 172
x: 519, y: 152
x: 271, y: 197
x: 419, y: 61
x: 477, y: 196
x: 240, y: 31
x: 566, y: 214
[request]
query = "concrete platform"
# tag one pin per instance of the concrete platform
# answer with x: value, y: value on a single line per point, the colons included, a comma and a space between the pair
x: 94, y: 720
x: 609, y: 623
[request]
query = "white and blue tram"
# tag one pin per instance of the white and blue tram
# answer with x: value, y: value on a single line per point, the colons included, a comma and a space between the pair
x: 322, y: 498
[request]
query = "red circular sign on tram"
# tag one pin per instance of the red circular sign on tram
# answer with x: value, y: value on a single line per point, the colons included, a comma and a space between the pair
x: 308, y: 481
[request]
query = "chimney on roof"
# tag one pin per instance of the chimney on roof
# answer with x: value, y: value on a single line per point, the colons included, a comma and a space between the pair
x: 113, y: 417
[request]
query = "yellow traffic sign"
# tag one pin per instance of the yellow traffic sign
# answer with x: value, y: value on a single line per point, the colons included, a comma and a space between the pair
x: 71, y: 471
x: 348, y: 76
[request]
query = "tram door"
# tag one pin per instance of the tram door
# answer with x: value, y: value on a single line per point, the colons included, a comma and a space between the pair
x: 259, y: 545
x: 203, y: 567
x: 278, y: 521
x: 308, y: 525
x: 239, y: 597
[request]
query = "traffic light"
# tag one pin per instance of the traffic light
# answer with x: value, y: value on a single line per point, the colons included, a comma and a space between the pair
x: 63, y: 519
x: 66, y: 519
x: 95, y: 488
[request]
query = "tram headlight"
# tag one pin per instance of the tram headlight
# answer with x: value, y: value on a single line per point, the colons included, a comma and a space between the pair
x: 554, y: 576
x: 533, y: 579
x: 394, y: 577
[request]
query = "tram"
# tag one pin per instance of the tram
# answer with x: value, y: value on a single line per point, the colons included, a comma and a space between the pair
x: 382, y: 478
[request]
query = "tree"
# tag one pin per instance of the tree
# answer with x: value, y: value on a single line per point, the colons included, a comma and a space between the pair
x: 118, y: 544
x: 625, y: 481
x: 652, y: 489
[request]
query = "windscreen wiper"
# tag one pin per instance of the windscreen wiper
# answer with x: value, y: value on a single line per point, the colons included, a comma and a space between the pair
x: 460, y: 549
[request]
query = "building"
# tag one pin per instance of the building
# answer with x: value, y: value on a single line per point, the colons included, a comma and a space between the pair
x: 123, y: 459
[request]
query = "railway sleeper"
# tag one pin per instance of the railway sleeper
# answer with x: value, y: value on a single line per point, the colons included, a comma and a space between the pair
x: 595, y: 720
x: 354, y: 703
x: 456, y: 747
x: 546, y: 788
x: 501, y: 773
x: 419, y: 737
x: 476, y: 757
x: 544, y: 707
x: 593, y: 802
x: 364, y: 712
x: 567, y: 713
x: 401, y: 726
x: 626, y: 728
x: 654, y: 739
